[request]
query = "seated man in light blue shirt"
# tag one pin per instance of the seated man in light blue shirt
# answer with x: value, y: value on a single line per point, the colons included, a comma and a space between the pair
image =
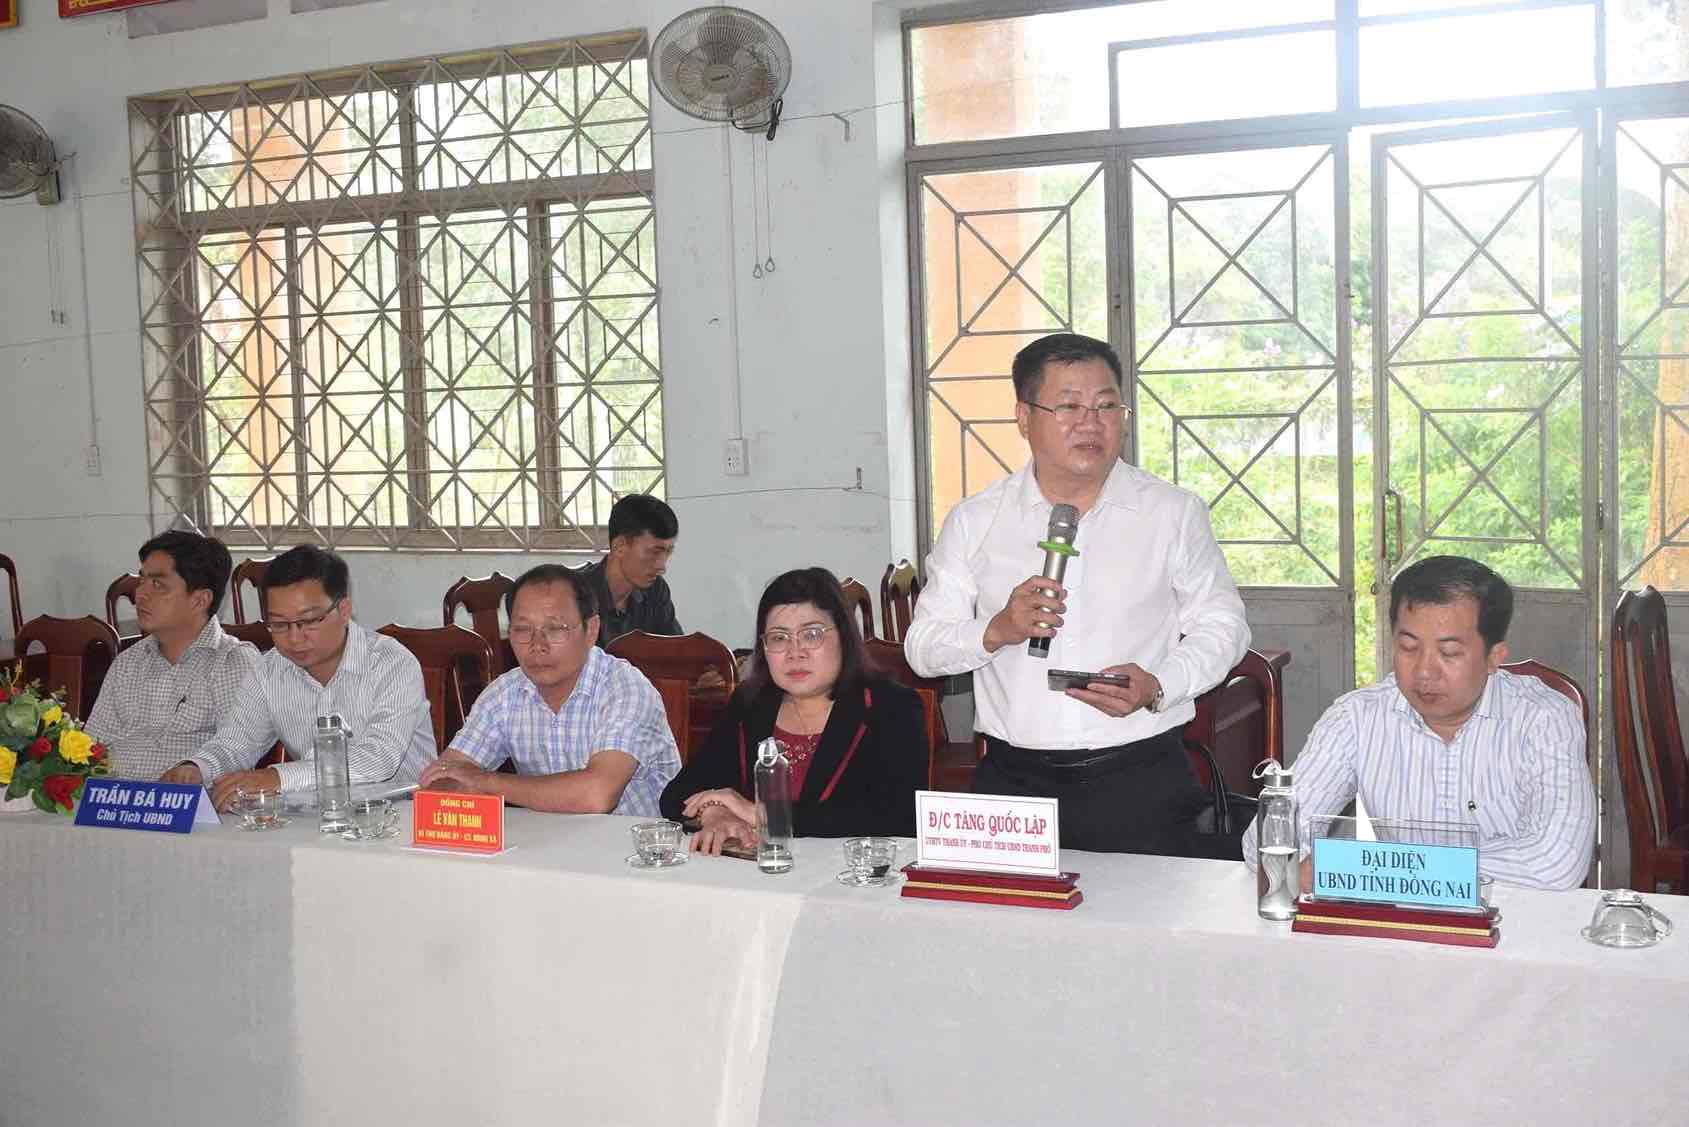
x: 1449, y: 737
x: 586, y: 731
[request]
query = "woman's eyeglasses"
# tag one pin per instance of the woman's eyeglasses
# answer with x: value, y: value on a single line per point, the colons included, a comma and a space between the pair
x: 806, y: 638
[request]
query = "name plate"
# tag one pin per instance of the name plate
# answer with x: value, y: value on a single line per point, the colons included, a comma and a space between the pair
x: 456, y: 822
x: 992, y: 833
x: 122, y: 804
x: 1390, y: 872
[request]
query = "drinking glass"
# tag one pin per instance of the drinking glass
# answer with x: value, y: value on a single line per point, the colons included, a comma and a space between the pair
x: 657, y: 845
x: 372, y: 819
x: 868, y: 861
x: 1623, y: 919
x: 260, y: 808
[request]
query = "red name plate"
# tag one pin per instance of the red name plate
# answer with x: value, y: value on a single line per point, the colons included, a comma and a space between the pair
x: 458, y: 823
x: 71, y: 8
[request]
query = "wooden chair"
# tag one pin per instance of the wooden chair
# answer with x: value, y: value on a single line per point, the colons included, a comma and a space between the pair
x: 123, y: 587
x: 11, y: 570
x: 858, y: 599
x: 686, y: 658
x: 482, y: 598
x: 249, y: 572
x: 677, y: 706
x: 76, y: 652
x: 900, y: 587
x: 888, y: 659
x: 1653, y: 773
x: 255, y: 632
x: 444, y: 652
x: 1240, y: 721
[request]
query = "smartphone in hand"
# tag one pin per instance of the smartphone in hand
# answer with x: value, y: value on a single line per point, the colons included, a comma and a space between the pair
x: 1063, y: 679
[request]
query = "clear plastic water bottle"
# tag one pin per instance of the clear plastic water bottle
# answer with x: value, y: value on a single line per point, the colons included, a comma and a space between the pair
x: 774, y: 808
x: 334, y: 777
x: 1277, y: 879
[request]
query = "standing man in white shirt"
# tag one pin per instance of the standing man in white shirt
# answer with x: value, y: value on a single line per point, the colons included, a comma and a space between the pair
x: 324, y: 663
x: 1148, y: 596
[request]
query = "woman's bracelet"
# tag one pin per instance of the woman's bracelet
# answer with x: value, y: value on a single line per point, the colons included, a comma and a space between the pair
x: 707, y: 803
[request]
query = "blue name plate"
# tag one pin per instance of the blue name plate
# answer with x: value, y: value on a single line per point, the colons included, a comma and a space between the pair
x: 1390, y: 872
x: 121, y: 804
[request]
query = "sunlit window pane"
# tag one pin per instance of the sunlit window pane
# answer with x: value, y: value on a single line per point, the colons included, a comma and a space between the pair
x: 1275, y: 74
x: 1477, y: 56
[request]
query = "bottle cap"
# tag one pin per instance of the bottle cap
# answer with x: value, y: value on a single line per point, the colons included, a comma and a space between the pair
x: 1273, y: 773
x: 329, y: 723
x: 768, y: 751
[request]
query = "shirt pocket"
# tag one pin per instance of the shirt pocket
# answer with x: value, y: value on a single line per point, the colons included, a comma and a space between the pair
x: 1498, y: 812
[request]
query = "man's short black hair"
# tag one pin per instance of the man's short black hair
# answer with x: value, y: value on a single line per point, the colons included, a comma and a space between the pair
x: 1440, y: 580
x: 639, y: 513
x: 306, y: 562
x: 1059, y: 348
x: 202, y: 562
x: 585, y: 601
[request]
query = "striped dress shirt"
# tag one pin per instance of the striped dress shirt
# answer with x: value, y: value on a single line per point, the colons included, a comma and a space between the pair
x: 1516, y: 773
x: 612, y: 708
x: 377, y: 691
x: 153, y: 713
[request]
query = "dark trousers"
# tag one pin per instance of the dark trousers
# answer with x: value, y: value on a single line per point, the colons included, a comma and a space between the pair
x: 1139, y: 797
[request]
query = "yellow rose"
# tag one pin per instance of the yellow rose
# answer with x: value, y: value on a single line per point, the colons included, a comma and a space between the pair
x: 8, y: 760
x: 52, y: 716
x: 74, y: 745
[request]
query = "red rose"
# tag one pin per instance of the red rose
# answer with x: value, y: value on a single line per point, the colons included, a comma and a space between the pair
x: 5, y: 694
x: 61, y: 789
x: 97, y: 752
x: 41, y: 748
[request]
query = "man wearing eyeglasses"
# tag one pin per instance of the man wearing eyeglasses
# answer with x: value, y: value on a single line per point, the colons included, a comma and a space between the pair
x: 586, y: 730
x: 1148, y: 597
x: 324, y: 663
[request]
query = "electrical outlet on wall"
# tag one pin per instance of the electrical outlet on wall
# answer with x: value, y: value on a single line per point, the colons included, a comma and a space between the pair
x: 91, y: 460
x: 733, y: 459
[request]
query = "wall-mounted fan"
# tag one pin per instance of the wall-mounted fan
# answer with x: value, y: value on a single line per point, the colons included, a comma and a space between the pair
x: 28, y: 162
x: 723, y: 64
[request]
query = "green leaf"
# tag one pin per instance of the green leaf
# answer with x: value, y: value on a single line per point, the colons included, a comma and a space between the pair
x: 43, y: 802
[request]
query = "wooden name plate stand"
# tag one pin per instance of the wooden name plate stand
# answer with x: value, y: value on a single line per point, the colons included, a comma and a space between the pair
x: 1021, y: 890
x: 1390, y: 921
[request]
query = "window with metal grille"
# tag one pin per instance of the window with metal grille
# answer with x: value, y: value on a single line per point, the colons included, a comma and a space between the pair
x: 410, y: 305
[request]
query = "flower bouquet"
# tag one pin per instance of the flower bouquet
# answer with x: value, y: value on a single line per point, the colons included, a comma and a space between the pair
x: 44, y: 753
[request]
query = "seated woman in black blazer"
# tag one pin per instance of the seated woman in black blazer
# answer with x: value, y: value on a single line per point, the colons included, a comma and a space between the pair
x: 856, y: 741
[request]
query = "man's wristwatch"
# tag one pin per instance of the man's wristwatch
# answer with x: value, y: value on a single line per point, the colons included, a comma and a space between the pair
x: 1154, y: 703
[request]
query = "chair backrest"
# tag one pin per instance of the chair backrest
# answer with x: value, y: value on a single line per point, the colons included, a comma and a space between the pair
x: 1270, y: 683
x: 443, y: 652
x: 858, y: 599
x: 1653, y: 773
x: 76, y: 654
x: 1555, y: 680
x: 249, y: 572
x: 11, y: 570
x: 900, y: 587
x: 255, y: 632
x: 677, y: 706
x: 123, y: 587
x: 685, y: 657
x: 482, y: 598
x: 888, y: 659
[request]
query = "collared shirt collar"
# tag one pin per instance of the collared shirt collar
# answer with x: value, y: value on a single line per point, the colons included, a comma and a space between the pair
x: 591, y: 671
x: 1490, y: 704
x: 352, y: 659
x: 601, y: 580
x: 1120, y: 490
x: 207, y: 637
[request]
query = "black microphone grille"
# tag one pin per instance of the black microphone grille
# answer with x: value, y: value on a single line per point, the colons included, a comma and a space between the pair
x: 1064, y: 522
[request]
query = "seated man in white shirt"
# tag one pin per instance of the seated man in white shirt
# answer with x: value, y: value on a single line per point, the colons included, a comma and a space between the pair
x: 164, y: 696
x: 323, y: 664
x: 586, y: 731
x: 1450, y: 738
x: 1148, y: 596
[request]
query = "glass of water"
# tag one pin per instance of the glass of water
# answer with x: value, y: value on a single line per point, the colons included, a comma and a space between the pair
x: 868, y: 861
x: 260, y: 808
x: 657, y: 845
x: 372, y: 819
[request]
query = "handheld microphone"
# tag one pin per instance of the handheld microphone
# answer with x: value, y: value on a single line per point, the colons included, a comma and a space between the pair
x: 1058, y: 546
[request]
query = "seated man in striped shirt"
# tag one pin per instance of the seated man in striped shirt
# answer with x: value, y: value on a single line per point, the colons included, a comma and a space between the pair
x: 586, y: 730
x: 165, y: 695
x: 323, y: 664
x: 1448, y: 737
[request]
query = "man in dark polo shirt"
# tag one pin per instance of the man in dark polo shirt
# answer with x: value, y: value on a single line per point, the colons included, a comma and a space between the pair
x: 629, y: 580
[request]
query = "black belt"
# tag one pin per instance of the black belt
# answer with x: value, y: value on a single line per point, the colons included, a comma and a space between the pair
x: 1067, y: 766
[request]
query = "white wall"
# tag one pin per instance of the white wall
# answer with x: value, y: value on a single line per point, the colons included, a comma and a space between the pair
x: 823, y: 342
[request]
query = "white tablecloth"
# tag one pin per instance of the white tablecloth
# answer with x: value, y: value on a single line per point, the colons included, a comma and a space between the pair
x: 283, y: 978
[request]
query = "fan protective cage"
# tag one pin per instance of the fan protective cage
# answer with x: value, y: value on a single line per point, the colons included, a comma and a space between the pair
x: 721, y: 64
x: 26, y: 153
